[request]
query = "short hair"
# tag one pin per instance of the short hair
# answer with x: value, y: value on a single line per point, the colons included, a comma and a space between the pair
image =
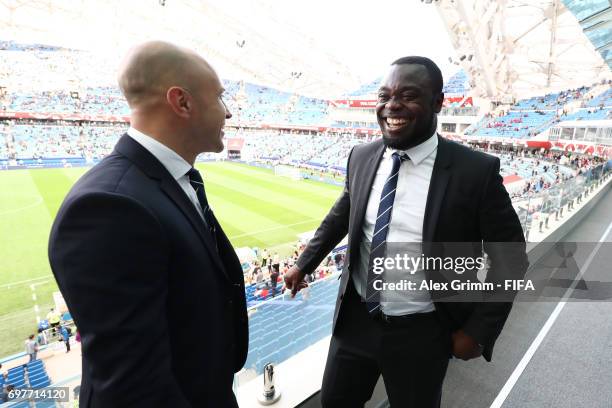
x: 435, y: 75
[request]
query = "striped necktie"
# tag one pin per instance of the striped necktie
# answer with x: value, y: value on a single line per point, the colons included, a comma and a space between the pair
x: 381, y: 229
x: 195, y: 179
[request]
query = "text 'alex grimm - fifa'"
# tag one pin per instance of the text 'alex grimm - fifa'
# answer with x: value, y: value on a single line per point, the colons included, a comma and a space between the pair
x: 509, y: 284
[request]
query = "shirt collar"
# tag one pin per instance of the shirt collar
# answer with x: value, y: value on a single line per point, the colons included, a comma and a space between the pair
x: 419, y: 152
x: 175, y: 164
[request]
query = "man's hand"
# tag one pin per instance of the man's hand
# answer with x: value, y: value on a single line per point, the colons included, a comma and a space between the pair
x: 294, y: 280
x: 464, y: 346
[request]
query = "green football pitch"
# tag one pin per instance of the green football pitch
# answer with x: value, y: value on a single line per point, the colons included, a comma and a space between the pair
x: 255, y: 208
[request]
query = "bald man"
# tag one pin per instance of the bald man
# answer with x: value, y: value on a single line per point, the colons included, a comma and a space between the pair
x: 150, y: 278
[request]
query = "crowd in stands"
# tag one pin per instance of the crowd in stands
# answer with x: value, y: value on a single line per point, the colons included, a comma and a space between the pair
x: 528, y: 117
x: 457, y: 84
x: 552, y: 100
x: 310, y: 150
x: 264, y: 277
x: 251, y: 103
x: 316, y: 149
x: 515, y: 124
x: 541, y: 170
x: 65, y: 88
x: 259, y: 104
x: 29, y: 139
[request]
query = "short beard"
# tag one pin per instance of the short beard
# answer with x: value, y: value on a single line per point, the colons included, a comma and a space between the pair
x: 419, y: 136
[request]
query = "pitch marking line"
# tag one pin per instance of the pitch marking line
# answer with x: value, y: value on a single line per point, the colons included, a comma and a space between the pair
x: 273, y: 228
x: 38, y: 202
x: 9, y: 285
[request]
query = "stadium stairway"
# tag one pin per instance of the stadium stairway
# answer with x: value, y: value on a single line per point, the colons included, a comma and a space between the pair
x: 303, y: 321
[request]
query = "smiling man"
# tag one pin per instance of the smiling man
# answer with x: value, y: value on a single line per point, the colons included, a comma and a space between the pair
x: 151, y: 280
x: 410, y: 188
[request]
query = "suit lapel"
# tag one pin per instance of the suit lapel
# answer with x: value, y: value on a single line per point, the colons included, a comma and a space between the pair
x: 437, y: 188
x: 154, y: 169
x: 177, y: 195
x: 364, y: 178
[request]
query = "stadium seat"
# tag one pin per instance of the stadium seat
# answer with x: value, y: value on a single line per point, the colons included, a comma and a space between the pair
x: 36, y: 371
x: 22, y: 404
x: 15, y: 370
x: 40, y: 382
x: 35, y: 378
x: 46, y: 404
x: 34, y: 363
x: 18, y: 383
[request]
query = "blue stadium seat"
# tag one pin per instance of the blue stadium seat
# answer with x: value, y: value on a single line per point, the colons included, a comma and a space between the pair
x: 40, y: 382
x: 34, y: 363
x: 36, y: 370
x: 22, y: 404
x: 18, y: 383
x: 46, y: 404
x: 15, y: 370
x: 34, y: 378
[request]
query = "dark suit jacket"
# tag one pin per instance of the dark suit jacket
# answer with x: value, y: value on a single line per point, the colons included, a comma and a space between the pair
x: 161, y: 313
x: 466, y: 202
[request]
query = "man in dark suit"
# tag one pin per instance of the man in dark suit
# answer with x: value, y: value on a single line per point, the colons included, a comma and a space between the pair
x: 418, y: 191
x: 151, y: 280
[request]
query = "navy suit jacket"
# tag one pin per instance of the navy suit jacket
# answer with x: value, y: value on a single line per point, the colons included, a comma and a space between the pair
x: 466, y: 203
x: 161, y: 312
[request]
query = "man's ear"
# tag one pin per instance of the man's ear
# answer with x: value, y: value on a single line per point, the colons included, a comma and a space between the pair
x: 180, y: 101
x: 438, y: 101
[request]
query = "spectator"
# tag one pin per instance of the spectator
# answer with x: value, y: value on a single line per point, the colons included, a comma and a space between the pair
x: 274, y: 280
x: 256, y: 272
x: 264, y: 257
x: 31, y: 347
x: 5, y: 394
x: 259, y: 278
x: 65, y: 337
x: 42, y: 336
x: 276, y: 263
x: 269, y: 262
x: 54, y: 319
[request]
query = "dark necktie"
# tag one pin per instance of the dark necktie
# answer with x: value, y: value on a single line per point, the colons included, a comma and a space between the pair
x: 381, y: 229
x: 195, y: 179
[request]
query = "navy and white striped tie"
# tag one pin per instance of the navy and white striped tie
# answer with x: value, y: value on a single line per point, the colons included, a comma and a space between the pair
x: 196, y: 181
x: 381, y: 229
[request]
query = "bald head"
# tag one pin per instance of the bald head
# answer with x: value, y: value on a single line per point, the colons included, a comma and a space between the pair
x: 150, y: 69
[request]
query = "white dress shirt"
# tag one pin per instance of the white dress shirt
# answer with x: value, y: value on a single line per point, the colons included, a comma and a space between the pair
x: 175, y: 164
x: 406, y: 225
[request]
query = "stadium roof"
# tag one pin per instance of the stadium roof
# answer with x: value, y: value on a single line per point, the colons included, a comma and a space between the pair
x: 318, y: 48
x: 595, y: 18
x: 522, y: 48
x: 323, y: 48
